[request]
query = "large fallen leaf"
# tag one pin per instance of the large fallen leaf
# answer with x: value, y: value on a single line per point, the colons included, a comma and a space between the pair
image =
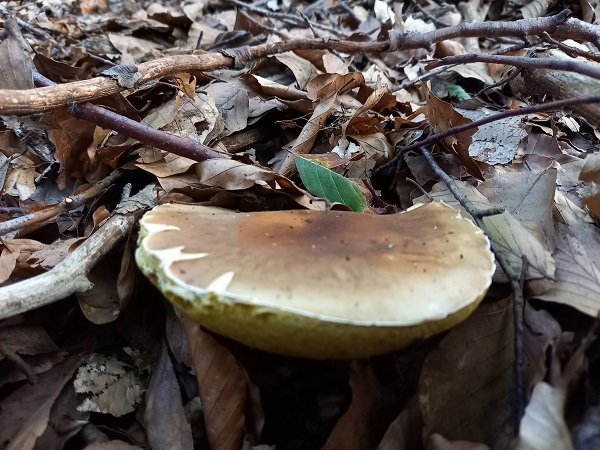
x: 223, y: 389
x: 543, y: 426
x: 16, y: 72
x: 325, y: 183
x: 164, y: 417
x: 26, y: 340
x: 466, y: 382
x: 577, y: 279
x: 233, y: 104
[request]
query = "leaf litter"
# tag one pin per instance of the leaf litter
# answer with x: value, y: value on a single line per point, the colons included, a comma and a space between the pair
x: 308, y: 128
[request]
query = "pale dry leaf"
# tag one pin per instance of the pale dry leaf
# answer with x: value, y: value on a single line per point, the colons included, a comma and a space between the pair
x: 497, y: 142
x: 528, y: 196
x: 302, y: 69
x: 536, y: 8
x: 233, y: 105
x: 577, y: 279
x: 52, y: 254
x: 268, y: 88
x: 164, y: 417
x: 543, y: 426
x: 591, y: 170
x: 223, y: 388
x: 464, y: 393
x: 111, y: 387
x: 16, y: 71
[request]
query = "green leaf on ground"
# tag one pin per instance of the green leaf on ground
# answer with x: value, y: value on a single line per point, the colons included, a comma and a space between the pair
x: 330, y: 185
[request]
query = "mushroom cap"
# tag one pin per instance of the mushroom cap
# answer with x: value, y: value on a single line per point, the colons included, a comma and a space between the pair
x: 319, y: 284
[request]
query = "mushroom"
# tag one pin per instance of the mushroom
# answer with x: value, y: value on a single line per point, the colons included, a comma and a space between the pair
x: 318, y: 284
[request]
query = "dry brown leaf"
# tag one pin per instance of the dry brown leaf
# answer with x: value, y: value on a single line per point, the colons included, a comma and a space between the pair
x: 443, y: 116
x: 305, y: 141
x: 324, y: 85
x: 37, y: 364
x: 543, y: 426
x: 577, y: 279
x: 8, y: 262
x: 164, y: 417
x: 364, y: 423
x: 404, y: 433
x: 25, y: 412
x: 111, y: 387
x: 223, y: 389
x: 267, y: 88
x: 50, y: 255
x: 590, y: 173
x: 466, y: 382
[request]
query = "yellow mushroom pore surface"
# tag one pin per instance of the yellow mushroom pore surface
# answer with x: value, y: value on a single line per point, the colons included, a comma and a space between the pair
x: 342, y: 268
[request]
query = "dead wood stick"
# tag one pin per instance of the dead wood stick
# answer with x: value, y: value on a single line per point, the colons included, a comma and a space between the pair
x: 29, y: 101
x: 70, y: 275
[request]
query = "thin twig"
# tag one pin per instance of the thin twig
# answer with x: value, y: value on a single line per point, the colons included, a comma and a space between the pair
x: 514, y: 279
x: 580, y: 67
x: 65, y: 205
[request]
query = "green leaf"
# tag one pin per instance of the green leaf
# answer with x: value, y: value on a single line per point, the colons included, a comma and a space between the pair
x: 457, y: 92
x: 330, y: 185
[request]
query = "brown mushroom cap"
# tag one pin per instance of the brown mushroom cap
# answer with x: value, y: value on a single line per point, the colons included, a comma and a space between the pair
x: 321, y: 284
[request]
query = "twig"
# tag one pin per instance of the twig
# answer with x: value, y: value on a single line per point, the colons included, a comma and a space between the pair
x: 525, y: 63
x: 514, y: 279
x: 65, y: 205
x: 137, y: 130
x: 70, y: 275
x: 29, y: 101
x: 570, y: 50
x: 477, y: 123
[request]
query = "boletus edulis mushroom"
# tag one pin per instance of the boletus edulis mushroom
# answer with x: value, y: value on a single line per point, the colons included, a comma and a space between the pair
x: 318, y: 284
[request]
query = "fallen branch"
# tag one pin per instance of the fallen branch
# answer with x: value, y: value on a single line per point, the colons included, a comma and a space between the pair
x: 70, y: 275
x: 29, y: 101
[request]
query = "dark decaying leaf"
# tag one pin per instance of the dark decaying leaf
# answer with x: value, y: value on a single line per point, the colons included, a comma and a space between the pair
x: 16, y: 70
x: 24, y: 413
x: 364, y: 423
x: 164, y: 417
x: 466, y: 383
x: 223, y: 388
x: 330, y: 185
